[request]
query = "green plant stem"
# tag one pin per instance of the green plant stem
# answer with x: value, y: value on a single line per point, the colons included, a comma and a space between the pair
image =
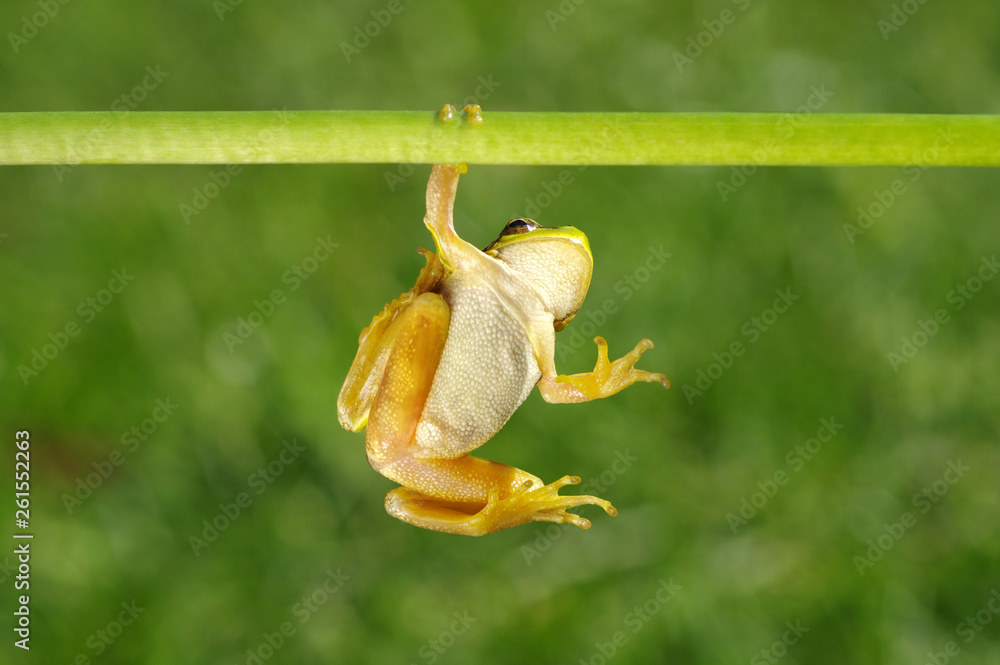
x: 255, y: 137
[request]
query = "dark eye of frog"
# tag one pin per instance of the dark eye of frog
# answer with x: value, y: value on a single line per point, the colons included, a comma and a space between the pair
x: 519, y: 225
x: 516, y: 227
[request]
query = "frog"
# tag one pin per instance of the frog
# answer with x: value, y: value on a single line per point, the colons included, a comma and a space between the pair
x: 445, y: 365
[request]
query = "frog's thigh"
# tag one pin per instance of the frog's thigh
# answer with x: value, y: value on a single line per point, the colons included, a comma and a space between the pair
x: 374, y: 345
x: 419, y: 334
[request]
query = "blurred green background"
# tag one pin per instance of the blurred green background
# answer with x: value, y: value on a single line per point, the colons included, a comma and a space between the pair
x: 906, y: 483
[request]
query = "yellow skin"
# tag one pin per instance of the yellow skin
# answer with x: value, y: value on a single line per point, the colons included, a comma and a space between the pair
x: 446, y: 364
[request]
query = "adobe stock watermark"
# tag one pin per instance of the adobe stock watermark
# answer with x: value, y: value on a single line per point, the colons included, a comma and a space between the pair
x: 258, y: 481
x: 87, y: 311
x: 972, y: 625
x: 784, y: 130
x: 958, y: 298
x: 779, y: 648
x: 130, y: 439
x: 796, y: 459
x: 32, y: 24
x: 224, y: 7
x: 485, y: 87
x: 752, y: 330
x: 886, y: 198
x: 562, y: 12
x: 303, y: 610
x: 101, y: 639
x: 434, y: 648
x: 546, y: 536
x: 898, y: 17
x: 714, y: 28
x: 634, y: 621
x: 923, y: 501
x: 293, y: 278
x: 220, y: 179
x: 967, y: 629
x: 364, y: 34
x: 581, y: 332
x: 7, y: 568
x: 550, y: 191
x: 124, y: 103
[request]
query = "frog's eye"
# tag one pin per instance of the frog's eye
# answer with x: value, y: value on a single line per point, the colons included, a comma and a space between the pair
x: 519, y: 225
x: 516, y: 227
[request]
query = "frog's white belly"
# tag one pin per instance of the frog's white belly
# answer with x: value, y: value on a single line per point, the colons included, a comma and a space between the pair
x: 487, y: 370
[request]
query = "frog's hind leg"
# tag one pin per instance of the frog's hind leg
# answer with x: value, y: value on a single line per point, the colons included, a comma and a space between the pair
x: 465, y: 495
x: 415, y: 342
x: 529, y: 502
x: 375, y: 343
x: 473, y: 496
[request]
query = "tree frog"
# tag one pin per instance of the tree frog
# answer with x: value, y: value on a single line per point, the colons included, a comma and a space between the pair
x: 441, y: 369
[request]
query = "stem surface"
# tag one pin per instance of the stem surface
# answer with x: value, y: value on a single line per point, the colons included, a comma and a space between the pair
x: 418, y: 137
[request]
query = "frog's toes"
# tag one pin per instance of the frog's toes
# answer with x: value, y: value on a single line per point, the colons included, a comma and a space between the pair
x: 643, y: 375
x: 545, y: 504
x: 447, y: 113
x: 473, y: 114
x: 623, y: 370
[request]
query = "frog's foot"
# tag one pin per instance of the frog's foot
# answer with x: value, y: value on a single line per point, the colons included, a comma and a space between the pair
x: 608, y: 377
x: 473, y: 114
x: 530, y: 503
x: 527, y: 503
x: 447, y: 113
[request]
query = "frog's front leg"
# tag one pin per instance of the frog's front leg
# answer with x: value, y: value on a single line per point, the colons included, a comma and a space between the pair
x: 607, y: 378
x: 439, y: 219
x: 464, y: 495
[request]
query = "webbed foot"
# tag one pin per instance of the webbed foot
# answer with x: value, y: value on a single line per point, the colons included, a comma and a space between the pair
x: 528, y: 503
x: 609, y: 377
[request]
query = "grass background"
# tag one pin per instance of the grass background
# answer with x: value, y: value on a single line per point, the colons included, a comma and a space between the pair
x: 535, y: 593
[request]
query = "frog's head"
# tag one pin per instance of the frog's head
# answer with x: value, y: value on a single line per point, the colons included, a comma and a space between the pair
x: 556, y: 260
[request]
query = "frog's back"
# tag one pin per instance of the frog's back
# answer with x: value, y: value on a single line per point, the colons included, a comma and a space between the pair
x: 486, y: 371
